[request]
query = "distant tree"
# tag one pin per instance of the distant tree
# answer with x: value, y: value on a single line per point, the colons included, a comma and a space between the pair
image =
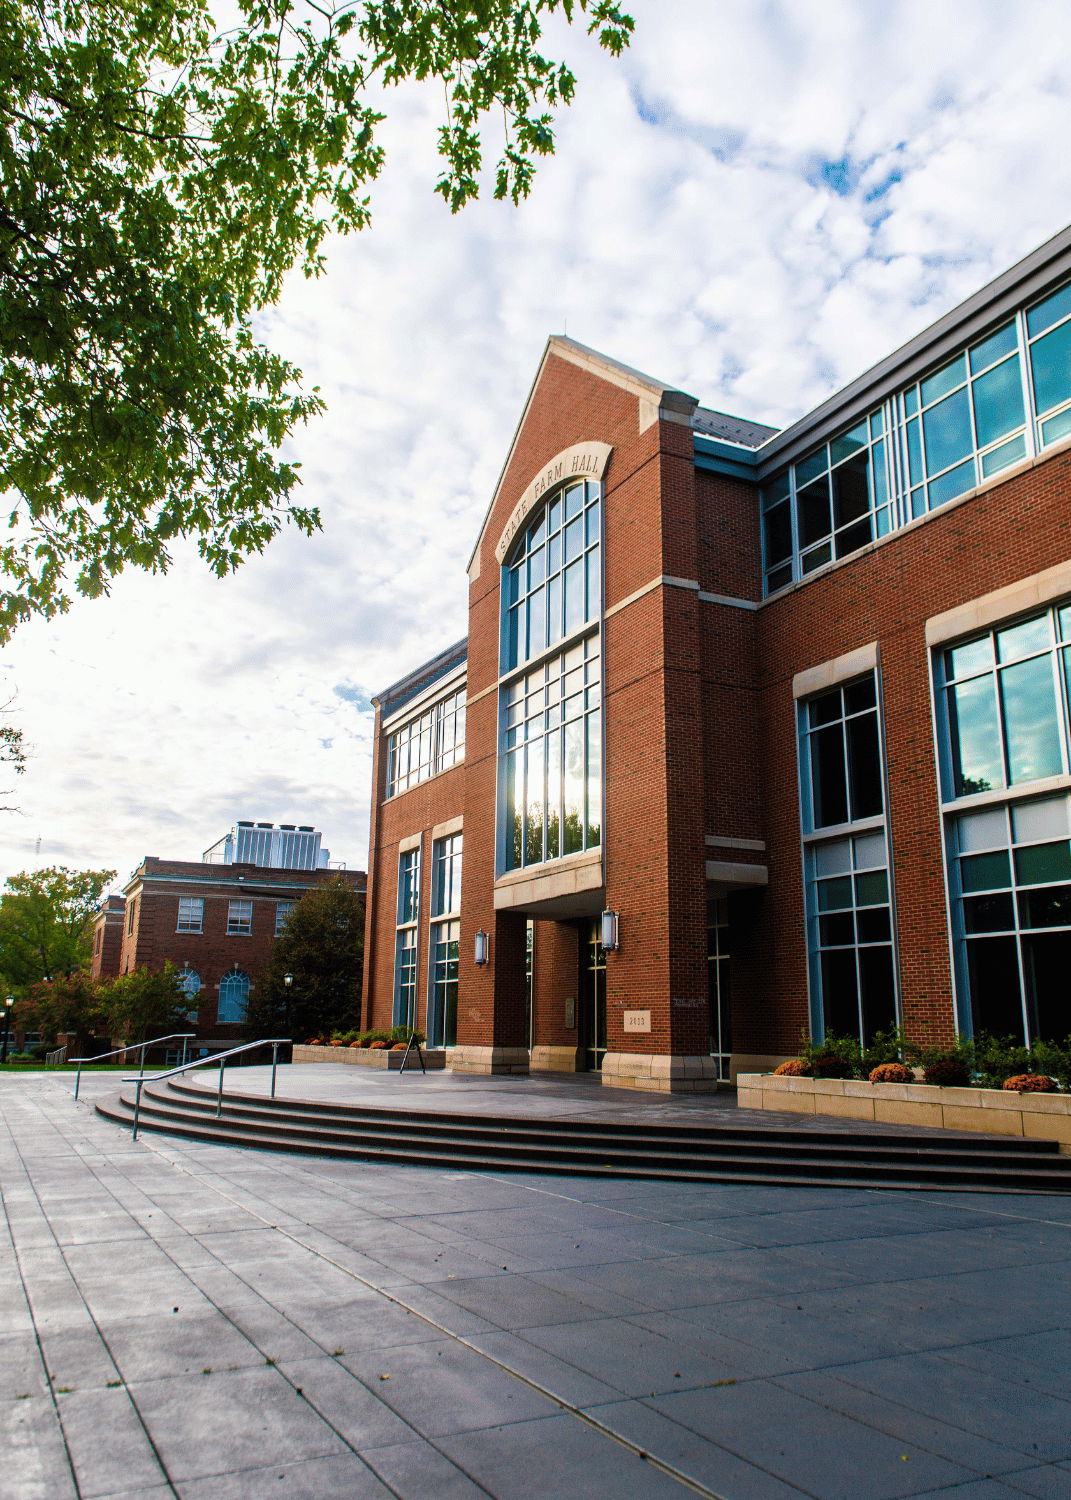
x: 45, y: 922
x: 69, y: 1004
x: 144, y: 1003
x: 321, y: 947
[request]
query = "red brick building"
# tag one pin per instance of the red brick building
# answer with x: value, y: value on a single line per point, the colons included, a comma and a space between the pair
x: 790, y: 707
x: 216, y: 920
x: 107, y: 940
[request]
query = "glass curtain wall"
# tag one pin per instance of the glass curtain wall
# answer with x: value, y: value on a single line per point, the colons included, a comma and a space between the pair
x: 405, y: 950
x: 1000, y: 400
x: 1002, y: 700
x: 721, y: 1031
x: 445, y: 941
x: 428, y: 744
x: 551, y: 714
x: 849, y: 908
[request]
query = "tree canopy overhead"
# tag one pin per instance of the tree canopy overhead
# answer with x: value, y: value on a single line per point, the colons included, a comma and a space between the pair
x: 157, y: 182
x: 45, y: 922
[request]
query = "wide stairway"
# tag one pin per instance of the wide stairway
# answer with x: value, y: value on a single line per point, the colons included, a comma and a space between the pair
x: 681, y: 1153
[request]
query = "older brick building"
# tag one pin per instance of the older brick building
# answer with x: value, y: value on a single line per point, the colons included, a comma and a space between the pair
x: 786, y: 706
x: 217, y: 920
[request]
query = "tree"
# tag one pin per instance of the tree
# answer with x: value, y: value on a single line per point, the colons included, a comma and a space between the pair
x: 44, y: 922
x: 322, y: 949
x: 158, y: 182
x: 145, y: 1002
x: 69, y: 1004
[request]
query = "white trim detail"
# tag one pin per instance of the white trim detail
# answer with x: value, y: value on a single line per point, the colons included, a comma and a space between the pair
x: 840, y: 669
x: 582, y: 460
x: 1016, y: 599
x: 735, y: 874
x: 412, y: 842
x: 444, y: 830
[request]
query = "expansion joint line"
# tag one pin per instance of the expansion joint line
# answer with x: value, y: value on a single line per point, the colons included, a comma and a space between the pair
x: 652, y: 1459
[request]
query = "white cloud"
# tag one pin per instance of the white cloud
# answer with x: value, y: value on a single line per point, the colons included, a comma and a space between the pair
x: 756, y: 203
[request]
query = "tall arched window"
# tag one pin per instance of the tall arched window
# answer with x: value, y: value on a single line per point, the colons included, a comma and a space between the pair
x: 233, y: 997
x: 551, y: 708
x: 189, y: 982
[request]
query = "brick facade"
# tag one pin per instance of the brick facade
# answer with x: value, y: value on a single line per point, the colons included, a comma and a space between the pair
x: 150, y: 937
x: 701, y: 760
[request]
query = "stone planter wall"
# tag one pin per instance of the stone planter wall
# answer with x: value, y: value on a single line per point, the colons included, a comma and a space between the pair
x: 364, y: 1057
x: 994, y: 1111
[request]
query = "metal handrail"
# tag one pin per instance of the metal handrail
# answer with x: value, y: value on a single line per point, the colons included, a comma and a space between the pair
x: 274, y: 1042
x: 175, y: 1036
x: 56, y: 1057
x: 405, y: 1056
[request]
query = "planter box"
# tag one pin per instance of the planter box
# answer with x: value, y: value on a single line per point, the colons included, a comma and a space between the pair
x: 994, y: 1111
x: 364, y: 1057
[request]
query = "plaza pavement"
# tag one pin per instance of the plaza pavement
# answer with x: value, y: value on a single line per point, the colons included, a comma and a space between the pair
x: 207, y: 1322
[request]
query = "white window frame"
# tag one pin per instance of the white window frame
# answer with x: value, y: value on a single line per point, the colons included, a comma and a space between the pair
x: 239, y: 918
x: 191, y: 919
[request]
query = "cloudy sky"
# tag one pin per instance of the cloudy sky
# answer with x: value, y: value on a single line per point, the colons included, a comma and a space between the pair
x: 755, y: 204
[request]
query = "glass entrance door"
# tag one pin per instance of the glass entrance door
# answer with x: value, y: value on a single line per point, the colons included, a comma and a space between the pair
x: 592, y: 996
x: 721, y: 1035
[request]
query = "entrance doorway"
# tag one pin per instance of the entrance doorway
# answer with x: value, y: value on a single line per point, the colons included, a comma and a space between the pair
x: 592, y: 995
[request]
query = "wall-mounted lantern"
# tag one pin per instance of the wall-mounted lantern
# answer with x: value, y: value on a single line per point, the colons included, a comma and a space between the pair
x: 483, y: 948
x: 609, y: 940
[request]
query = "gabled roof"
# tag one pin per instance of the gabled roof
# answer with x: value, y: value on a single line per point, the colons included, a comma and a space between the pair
x: 391, y: 699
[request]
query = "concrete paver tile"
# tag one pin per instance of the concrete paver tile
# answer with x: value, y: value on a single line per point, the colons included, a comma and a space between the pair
x: 34, y: 1464
x: 230, y: 1420
x: 339, y: 1477
x: 417, y: 1471
x: 360, y: 1416
x: 518, y: 1353
x: 108, y: 1445
x: 515, y: 1301
x: 630, y: 1359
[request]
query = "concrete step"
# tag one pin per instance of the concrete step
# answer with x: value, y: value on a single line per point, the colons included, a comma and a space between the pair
x: 701, y: 1153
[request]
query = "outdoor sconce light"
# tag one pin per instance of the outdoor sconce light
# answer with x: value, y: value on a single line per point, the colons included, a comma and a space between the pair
x: 288, y: 980
x: 483, y: 944
x: 609, y: 932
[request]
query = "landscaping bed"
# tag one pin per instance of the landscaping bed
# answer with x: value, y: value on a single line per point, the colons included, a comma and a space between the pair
x: 369, y: 1057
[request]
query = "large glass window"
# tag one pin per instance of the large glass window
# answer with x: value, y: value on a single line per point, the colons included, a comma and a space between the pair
x: 432, y: 742
x: 849, y: 909
x: 851, y: 935
x: 1003, y: 700
x: 445, y: 941
x: 282, y: 913
x: 233, y: 998
x: 1010, y: 878
x: 191, y: 911
x: 405, y: 953
x: 552, y: 583
x: 240, y: 918
x: 552, y: 758
x: 1048, y: 327
x: 844, y: 755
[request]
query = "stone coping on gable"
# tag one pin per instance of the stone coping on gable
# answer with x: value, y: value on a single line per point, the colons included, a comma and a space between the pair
x: 991, y: 1111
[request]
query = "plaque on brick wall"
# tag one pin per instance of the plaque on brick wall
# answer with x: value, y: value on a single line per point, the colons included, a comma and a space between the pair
x: 570, y: 1015
x: 637, y: 1020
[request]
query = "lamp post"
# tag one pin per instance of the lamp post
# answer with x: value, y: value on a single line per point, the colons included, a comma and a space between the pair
x: 288, y: 981
x: 8, y: 1003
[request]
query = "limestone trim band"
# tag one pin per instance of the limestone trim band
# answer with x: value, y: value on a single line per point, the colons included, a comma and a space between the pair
x: 444, y: 830
x: 979, y: 614
x: 581, y: 461
x: 674, y: 1073
x: 840, y: 669
x: 666, y: 581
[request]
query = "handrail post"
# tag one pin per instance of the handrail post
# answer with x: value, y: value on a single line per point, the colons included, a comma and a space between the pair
x: 141, y: 1073
x: 274, y: 1056
x: 78, y: 1080
x: 219, y: 1099
x: 137, y: 1109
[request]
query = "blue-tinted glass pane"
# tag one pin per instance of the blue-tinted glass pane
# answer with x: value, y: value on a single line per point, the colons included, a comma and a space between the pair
x: 574, y: 787
x: 514, y: 795
x: 594, y: 783
x: 879, y: 476
x: 574, y: 539
x: 835, y: 894
x: 1024, y: 640
x: 848, y: 443
x: 985, y: 872
x: 877, y: 424
x: 975, y: 737
x: 512, y: 636
x: 594, y: 582
x: 881, y: 521
x: 777, y: 534
x: 515, y: 584
x: 914, y: 452
x: 1043, y: 863
x: 1056, y: 427
x: 592, y: 523
x: 815, y: 463
x: 554, y: 791
x: 918, y: 503
x: 554, y: 516
x: 1030, y: 720
x: 965, y: 661
x: 535, y: 567
x: 537, y: 623
x: 574, y: 596
x: 944, y: 380
x: 574, y: 501
x: 1050, y: 358
x: 851, y: 490
x: 554, y: 609
x: 1048, y: 312
x: 872, y: 889
x: 948, y: 432
x: 1008, y: 453
x: 998, y: 402
x: 911, y: 400
x: 990, y: 350
x: 775, y: 491
x: 812, y: 511
x: 955, y: 482
x: 815, y: 559
x: 536, y: 533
